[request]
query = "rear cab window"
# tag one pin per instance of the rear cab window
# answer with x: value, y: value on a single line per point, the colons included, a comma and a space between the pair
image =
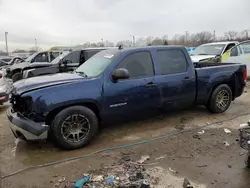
x: 172, y: 61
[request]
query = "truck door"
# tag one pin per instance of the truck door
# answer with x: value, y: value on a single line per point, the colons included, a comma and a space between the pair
x: 70, y: 62
x: 138, y: 93
x: 175, y: 78
x: 41, y: 57
x: 239, y: 54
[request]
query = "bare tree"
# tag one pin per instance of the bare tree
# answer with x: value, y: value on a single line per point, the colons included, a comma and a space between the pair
x: 141, y: 42
x: 231, y: 35
x: 149, y: 40
x: 108, y: 43
x: 204, y: 37
x: 124, y: 43
x: 93, y: 45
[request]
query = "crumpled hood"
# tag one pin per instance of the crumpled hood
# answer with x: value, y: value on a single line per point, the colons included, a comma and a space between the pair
x: 197, y: 58
x: 28, y: 64
x: 38, y: 82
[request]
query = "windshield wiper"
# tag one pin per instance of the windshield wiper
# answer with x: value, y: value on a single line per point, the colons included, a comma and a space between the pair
x: 81, y: 73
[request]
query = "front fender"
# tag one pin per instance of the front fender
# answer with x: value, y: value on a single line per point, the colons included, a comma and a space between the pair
x: 50, y: 98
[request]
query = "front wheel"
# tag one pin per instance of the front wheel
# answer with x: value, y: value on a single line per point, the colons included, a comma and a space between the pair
x: 220, y: 99
x: 74, y: 127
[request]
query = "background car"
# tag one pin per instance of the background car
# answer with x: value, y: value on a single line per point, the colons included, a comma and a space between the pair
x: 239, y: 54
x: 211, y: 51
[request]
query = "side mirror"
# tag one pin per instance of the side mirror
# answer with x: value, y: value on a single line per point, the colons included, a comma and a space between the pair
x: 120, y: 74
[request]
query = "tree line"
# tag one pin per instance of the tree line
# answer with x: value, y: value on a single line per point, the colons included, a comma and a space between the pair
x: 186, y: 39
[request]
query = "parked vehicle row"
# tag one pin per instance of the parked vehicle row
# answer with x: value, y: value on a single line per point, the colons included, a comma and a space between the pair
x: 14, y: 71
x: 115, y: 83
x: 63, y: 63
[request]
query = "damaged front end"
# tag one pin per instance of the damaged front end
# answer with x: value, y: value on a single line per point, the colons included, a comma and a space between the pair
x: 25, y: 122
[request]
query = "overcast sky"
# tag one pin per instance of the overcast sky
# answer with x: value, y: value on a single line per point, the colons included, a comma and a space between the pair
x: 65, y: 22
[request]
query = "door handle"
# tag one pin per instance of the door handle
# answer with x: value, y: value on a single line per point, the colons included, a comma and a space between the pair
x: 151, y: 84
x: 187, y: 79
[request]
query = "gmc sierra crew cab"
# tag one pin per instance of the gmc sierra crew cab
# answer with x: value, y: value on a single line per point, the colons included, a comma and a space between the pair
x: 118, y: 83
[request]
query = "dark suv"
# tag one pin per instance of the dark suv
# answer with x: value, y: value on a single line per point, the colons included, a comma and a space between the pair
x: 63, y: 63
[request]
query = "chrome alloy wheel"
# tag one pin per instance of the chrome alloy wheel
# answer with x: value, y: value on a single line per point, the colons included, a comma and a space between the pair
x: 75, y: 128
x: 222, y: 99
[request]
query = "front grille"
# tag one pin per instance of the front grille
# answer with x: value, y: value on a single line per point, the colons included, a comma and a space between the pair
x: 21, y: 104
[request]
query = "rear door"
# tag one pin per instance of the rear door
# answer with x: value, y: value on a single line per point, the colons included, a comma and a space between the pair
x: 175, y: 78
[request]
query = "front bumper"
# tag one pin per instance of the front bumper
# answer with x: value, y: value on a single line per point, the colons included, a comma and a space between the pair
x: 26, y: 129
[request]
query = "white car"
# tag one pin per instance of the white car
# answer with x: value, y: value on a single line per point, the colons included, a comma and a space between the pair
x: 239, y: 54
x: 211, y: 51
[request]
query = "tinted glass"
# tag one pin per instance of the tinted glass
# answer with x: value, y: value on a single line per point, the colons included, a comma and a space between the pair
x: 138, y: 64
x: 234, y: 52
x: 171, y: 61
x: 42, y: 57
x: 89, y: 54
x: 246, y: 47
x: 73, y: 57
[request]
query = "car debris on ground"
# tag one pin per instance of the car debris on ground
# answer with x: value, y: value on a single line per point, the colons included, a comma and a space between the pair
x: 124, y: 174
x: 201, y: 132
x: 227, y: 131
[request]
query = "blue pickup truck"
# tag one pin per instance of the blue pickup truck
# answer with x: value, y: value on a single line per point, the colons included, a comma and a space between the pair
x: 69, y: 107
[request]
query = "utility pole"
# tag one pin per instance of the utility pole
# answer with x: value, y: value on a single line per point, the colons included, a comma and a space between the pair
x: 133, y: 39
x: 214, y: 36
x: 6, y: 42
x: 36, y: 45
x: 186, y: 38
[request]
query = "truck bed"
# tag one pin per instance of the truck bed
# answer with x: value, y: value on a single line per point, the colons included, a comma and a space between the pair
x: 208, y: 75
x: 211, y: 64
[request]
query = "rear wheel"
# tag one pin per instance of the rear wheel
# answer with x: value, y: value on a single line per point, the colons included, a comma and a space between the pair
x: 220, y: 99
x: 17, y: 76
x: 74, y: 127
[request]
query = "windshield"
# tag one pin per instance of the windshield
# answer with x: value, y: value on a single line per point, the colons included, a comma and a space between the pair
x: 56, y: 60
x: 97, y: 63
x: 211, y: 49
x: 31, y: 57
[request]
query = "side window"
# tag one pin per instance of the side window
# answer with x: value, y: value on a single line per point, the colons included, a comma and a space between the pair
x: 53, y: 55
x: 73, y: 57
x: 138, y: 64
x: 234, y: 51
x: 245, y: 47
x: 89, y: 54
x: 172, y: 61
x: 42, y: 57
x: 229, y: 46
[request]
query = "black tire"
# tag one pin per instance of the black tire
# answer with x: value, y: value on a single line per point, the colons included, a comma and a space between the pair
x: 57, y: 127
x: 214, y: 105
x: 17, y: 76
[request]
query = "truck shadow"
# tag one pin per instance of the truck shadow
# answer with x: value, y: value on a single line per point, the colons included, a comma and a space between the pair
x: 132, y: 129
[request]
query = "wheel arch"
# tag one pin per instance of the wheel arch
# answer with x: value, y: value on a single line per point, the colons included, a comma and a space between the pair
x: 89, y: 104
x: 230, y: 84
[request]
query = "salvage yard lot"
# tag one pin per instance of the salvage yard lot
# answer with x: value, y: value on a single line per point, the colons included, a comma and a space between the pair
x: 201, y: 158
